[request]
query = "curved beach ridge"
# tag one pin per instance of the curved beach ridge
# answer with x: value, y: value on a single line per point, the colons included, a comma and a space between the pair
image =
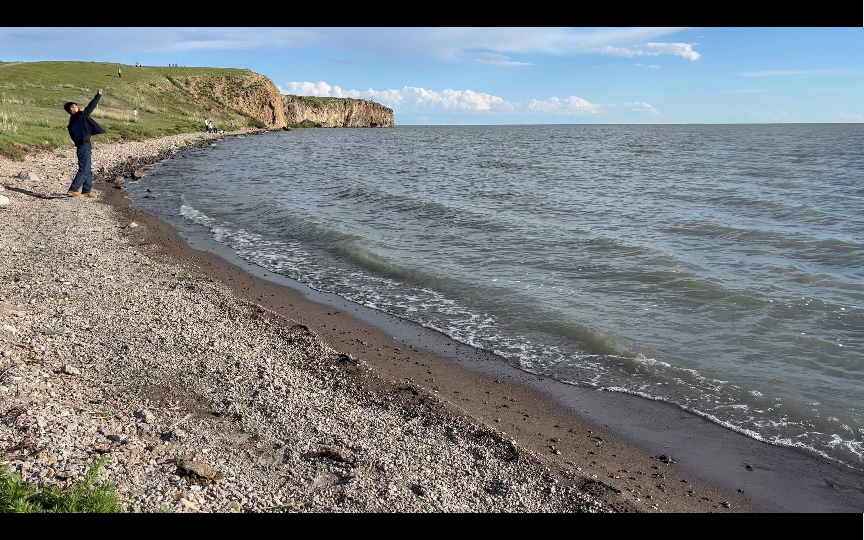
x: 203, y: 400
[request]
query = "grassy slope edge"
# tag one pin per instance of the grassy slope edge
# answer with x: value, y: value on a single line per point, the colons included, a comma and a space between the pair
x: 32, y: 95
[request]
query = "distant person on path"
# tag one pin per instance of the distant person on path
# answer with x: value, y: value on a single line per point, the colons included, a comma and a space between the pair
x: 135, y: 112
x: 120, y: 75
x: 81, y: 128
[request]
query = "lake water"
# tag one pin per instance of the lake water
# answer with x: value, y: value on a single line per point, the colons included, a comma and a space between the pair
x: 716, y: 267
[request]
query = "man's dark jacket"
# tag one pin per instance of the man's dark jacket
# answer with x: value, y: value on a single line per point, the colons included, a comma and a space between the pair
x: 81, y: 126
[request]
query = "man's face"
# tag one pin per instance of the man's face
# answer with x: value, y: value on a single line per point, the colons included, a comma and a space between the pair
x: 74, y: 108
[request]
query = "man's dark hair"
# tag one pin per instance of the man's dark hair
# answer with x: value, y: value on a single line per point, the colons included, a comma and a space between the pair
x: 68, y: 106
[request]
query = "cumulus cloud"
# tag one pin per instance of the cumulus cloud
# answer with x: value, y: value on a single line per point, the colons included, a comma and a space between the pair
x: 570, y: 105
x: 411, y: 97
x: 678, y: 49
x: 649, y: 49
x: 318, y: 89
x: 642, y: 107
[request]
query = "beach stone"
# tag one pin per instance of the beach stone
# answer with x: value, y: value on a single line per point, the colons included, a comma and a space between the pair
x: 32, y: 176
x: 194, y: 467
x: 146, y: 416
x: 71, y: 370
x: 4, y: 201
x: 188, y: 505
x: 133, y: 225
x: 138, y: 174
x: 23, y: 175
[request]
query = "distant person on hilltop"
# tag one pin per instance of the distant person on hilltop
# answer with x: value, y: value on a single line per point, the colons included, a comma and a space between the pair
x: 81, y: 128
x: 120, y: 75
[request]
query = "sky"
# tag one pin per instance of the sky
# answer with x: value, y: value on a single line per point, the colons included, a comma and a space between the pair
x: 512, y: 75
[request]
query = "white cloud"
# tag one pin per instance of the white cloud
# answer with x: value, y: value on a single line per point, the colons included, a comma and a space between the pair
x: 654, y: 66
x: 642, y: 107
x: 608, y: 50
x: 318, y: 89
x: 570, y: 105
x: 494, y: 59
x: 846, y: 117
x: 650, y: 49
x: 408, y: 97
x: 678, y: 49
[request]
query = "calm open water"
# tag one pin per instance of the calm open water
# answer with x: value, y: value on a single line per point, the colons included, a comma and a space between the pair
x: 716, y: 267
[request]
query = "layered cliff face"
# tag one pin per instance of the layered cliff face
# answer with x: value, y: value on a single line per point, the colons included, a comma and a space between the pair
x: 252, y: 94
x: 336, y: 112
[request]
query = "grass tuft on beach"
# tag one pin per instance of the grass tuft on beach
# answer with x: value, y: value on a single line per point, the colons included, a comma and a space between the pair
x: 32, y: 95
x: 87, y: 496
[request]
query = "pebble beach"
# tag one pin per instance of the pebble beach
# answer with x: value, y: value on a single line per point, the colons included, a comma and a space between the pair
x: 119, y: 342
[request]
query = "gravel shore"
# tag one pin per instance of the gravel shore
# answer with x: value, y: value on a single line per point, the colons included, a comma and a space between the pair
x: 205, y: 401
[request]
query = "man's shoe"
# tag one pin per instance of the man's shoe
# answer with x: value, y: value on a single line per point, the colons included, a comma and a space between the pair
x: 90, y: 195
x: 74, y: 194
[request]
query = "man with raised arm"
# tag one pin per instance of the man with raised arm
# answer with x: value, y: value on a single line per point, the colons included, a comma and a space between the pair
x: 81, y: 128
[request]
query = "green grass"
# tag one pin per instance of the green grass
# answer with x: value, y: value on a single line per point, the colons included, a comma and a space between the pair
x: 316, y: 102
x: 169, y: 101
x: 87, y: 496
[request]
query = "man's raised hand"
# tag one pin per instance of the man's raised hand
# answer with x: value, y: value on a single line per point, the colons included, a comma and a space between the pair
x: 99, y: 92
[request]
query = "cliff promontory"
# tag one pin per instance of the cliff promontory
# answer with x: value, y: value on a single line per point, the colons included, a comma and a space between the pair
x: 336, y: 112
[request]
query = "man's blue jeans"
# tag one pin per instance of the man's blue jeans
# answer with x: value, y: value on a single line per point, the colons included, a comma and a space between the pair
x: 85, y: 173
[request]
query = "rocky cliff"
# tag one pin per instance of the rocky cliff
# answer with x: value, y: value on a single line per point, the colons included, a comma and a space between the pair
x: 251, y: 94
x: 336, y: 112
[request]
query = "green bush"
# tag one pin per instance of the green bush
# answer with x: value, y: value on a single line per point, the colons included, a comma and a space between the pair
x: 19, y: 497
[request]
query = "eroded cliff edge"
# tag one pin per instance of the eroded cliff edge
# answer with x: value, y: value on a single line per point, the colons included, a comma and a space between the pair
x: 336, y: 112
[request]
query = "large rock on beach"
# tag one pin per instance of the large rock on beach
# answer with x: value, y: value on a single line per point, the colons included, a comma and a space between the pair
x: 192, y: 466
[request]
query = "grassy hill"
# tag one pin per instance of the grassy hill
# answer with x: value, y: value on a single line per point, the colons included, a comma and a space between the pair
x: 32, y: 95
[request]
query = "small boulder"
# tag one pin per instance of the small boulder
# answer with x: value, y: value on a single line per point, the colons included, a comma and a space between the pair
x: 23, y: 175
x: 137, y: 174
x: 4, y: 201
x: 70, y: 370
x: 192, y: 466
x: 32, y: 176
